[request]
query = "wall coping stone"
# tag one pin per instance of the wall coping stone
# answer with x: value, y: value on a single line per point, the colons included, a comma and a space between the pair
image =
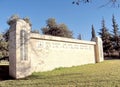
x: 59, y: 39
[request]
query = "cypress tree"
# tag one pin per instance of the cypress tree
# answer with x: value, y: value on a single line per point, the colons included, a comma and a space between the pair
x: 93, y: 34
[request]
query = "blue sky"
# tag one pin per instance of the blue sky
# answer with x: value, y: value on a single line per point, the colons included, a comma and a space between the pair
x: 78, y: 18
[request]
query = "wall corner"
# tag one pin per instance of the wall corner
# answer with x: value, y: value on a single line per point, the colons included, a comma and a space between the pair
x: 99, y: 50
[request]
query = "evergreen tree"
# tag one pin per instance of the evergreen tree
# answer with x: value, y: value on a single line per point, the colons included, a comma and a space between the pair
x: 116, y: 37
x: 93, y: 34
x: 115, y: 27
x: 106, y: 38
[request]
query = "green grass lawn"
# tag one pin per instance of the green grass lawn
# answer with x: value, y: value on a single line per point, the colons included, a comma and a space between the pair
x: 105, y: 74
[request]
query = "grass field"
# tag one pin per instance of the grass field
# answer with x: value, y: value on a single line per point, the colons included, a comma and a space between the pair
x: 105, y: 74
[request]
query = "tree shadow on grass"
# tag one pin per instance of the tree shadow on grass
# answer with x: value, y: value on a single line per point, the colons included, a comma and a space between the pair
x: 4, y: 72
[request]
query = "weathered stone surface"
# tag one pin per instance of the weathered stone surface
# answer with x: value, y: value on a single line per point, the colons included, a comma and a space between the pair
x: 30, y: 52
x: 48, y: 52
x: 99, y: 50
x: 18, y: 67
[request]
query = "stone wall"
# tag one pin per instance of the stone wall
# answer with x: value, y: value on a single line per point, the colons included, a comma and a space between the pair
x: 30, y: 52
x: 20, y: 63
x: 49, y: 52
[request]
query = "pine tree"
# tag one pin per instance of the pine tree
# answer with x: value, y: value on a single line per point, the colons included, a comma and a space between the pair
x: 116, y: 37
x: 93, y: 34
x: 106, y: 38
x: 115, y: 26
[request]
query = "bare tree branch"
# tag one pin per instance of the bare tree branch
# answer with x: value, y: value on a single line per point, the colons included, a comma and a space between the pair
x: 115, y: 3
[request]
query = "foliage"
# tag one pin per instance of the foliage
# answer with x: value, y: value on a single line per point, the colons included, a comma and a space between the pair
x: 111, y: 41
x: 106, y: 38
x: 105, y: 74
x: 115, y: 26
x: 6, y: 35
x: 55, y: 29
x: 51, y: 22
x: 13, y: 19
x: 27, y: 19
x: 115, y: 37
x: 93, y: 34
x: 3, y: 47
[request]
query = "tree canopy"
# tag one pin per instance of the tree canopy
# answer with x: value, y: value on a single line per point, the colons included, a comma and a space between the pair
x: 52, y: 28
x: 106, y: 38
x: 3, y: 47
x: 15, y: 17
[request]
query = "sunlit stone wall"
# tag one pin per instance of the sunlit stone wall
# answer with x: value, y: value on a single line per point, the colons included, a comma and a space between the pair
x: 31, y: 52
x: 48, y: 52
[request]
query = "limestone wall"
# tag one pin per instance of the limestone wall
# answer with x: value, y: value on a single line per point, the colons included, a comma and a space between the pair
x: 20, y: 62
x: 30, y: 52
x: 48, y: 52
